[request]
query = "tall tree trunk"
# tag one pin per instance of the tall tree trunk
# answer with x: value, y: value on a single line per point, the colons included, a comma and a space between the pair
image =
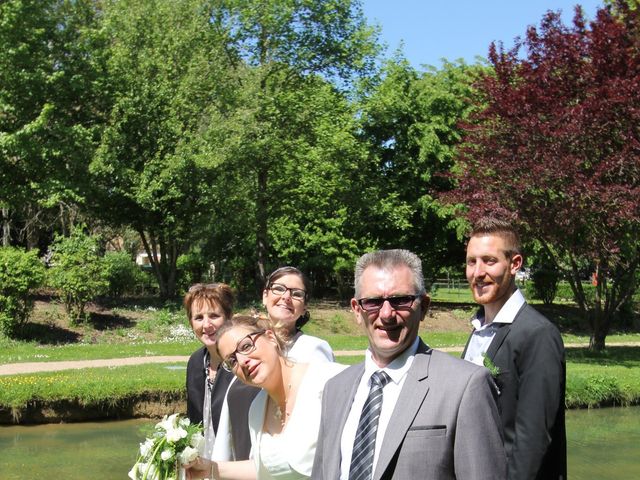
x: 151, y: 249
x: 262, y: 240
x: 6, y: 227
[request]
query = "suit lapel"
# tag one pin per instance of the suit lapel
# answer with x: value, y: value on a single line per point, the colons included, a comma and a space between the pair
x: 342, y: 396
x: 501, y: 335
x: 411, y: 397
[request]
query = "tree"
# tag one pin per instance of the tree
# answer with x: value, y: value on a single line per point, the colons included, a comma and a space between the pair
x: 319, y: 197
x: 77, y: 271
x: 49, y: 110
x: 410, y: 121
x: 21, y: 273
x: 283, y: 45
x: 557, y: 147
x: 152, y: 171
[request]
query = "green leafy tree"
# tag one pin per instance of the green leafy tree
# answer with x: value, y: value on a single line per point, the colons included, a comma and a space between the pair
x: 152, y: 169
x: 21, y: 272
x: 282, y: 47
x: 411, y: 121
x: 50, y: 103
x: 77, y: 271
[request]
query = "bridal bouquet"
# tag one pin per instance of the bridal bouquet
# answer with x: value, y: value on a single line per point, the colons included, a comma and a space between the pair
x: 174, y: 442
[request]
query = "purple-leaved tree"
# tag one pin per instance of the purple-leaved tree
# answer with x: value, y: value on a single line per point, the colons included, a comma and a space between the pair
x: 556, y: 147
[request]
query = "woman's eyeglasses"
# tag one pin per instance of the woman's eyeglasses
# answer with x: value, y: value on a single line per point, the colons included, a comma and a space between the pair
x: 245, y: 346
x: 280, y: 290
x: 399, y: 302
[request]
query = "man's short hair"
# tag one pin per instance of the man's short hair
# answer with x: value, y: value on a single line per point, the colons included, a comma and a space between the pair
x: 501, y: 228
x: 388, y: 260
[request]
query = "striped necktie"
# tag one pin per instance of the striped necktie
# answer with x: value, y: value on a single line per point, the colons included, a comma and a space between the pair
x: 364, y: 445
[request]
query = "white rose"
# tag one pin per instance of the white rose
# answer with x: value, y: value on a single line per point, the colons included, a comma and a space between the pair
x: 166, y: 455
x: 139, y: 470
x: 168, y: 423
x: 197, y: 442
x: 185, y: 422
x: 188, y: 455
x: 146, y: 448
x: 175, y: 434
x: 133, y: 473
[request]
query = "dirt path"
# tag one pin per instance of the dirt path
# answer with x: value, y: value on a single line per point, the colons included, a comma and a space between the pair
x: 32, y: 367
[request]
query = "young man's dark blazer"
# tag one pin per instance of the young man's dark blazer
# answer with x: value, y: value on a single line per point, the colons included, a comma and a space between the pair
x: 239, y: 399
x: 529, y: 354
x: 445, y: 424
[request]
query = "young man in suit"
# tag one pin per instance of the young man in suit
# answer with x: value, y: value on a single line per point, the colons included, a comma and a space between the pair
x: 407, y: 411
x: 526, y: 350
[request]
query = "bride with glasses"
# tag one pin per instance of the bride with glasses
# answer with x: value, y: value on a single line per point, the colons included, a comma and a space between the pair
x: 285, y: 297
x: 284, y: 418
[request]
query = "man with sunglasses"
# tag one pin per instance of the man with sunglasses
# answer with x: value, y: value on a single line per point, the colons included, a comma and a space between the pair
x: 407, y: 411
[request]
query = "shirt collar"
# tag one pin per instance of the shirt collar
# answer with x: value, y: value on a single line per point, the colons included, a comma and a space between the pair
x: 510, y: 309
x: 507, y: 313
x: 397, y: 368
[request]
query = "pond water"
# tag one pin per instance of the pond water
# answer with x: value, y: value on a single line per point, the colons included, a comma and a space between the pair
x: 602, y: 444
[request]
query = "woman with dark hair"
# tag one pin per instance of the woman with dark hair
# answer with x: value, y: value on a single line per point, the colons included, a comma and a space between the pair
x: 225, y: 425
x: 284, y: 418
x: 285, y: 297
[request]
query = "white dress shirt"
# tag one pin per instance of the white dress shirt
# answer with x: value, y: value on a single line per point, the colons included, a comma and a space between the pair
x: 483, y: 333
x: 397, y: 370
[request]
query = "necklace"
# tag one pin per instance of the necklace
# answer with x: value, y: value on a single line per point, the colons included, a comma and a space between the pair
x: 280, y: 412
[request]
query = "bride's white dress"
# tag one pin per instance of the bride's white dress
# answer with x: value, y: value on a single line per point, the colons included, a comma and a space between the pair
x: 289, y: 456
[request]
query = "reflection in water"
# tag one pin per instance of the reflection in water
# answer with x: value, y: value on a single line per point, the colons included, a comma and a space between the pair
x: 100, y: 451
x: 603, y: 444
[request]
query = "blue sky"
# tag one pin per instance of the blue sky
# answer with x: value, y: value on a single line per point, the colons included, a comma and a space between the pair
x: 453, y: 29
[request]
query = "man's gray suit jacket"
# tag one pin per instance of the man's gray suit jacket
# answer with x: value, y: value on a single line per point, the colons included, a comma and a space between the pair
x: 445, y: 424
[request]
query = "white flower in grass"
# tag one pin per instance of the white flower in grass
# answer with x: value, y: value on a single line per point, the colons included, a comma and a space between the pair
x: 188, y: 455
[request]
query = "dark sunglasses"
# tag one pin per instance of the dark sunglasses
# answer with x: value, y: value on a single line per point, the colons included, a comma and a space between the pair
x: 399, y: 302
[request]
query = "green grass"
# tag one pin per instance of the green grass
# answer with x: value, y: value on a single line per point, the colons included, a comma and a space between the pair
x: 452, y: 295
x: 611, y: 377
x: 18, y: 352
x: 608, y: 378
x: 91, y: 386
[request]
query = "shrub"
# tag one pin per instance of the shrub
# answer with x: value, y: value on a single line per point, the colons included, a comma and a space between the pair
x: 544, y: 284
x: 123, y: 275
x: 77, y: 272
x: 565, y: 293
x: 192, y: 268
x: 21, y: 273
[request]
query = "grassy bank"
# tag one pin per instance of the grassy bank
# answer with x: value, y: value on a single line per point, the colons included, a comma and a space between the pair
x: 17, y: 352
x: 608, y: 378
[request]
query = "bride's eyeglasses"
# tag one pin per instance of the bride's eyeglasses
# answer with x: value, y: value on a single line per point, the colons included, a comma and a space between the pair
x: 245, y: 346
